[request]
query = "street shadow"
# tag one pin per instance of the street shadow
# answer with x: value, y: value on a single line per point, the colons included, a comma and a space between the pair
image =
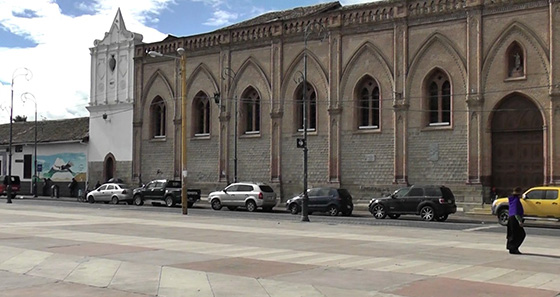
x: 541, y: 255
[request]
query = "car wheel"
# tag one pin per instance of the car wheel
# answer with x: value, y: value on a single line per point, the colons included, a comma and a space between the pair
x: 90, y: 199
x: 427, y: 213
x: 216, y: 204
x: 332, y: 211
x: 294, y: 208
x: 251, y: 206
x: 378, y: 211
x: 442, y: 218
x: 503, y: 217
x: 138, y: 200
x: 115, y: 200
x: 190, y: 204
x: 394, y: 216
x: 169, y: 201
x: 232, y: 208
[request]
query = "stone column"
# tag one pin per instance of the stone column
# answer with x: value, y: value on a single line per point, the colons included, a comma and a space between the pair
x: 400, y: 101
x: 335, y: 106
x: 474, y: 99
x: 552, y: 152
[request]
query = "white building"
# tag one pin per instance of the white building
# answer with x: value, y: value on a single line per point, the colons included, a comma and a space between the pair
x: 110, y: 107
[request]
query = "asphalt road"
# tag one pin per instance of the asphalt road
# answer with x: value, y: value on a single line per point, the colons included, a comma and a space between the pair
x: 459, y: 221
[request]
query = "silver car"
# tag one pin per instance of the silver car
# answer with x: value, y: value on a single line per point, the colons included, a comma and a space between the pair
x: 111, y: 192
x: 248, y: 195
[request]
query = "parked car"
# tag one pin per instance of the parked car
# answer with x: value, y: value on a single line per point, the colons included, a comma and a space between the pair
x: 330, y: 200
x: 15, y: 184
x: 164, y: 191
x: 429, y: 201
x: 111, y: 192
x: 248, y: 195
x: 538, y: 202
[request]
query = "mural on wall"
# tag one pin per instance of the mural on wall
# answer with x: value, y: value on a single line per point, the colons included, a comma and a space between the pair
x: 63, y: 166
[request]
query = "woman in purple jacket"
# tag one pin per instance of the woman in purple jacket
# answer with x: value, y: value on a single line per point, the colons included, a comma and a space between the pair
x: 515, y: 232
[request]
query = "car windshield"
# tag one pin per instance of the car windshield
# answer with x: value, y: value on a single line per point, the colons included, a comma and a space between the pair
x: 401, y: 192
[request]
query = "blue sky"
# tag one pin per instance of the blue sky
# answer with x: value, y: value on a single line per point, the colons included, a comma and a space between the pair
x: 51, y: 38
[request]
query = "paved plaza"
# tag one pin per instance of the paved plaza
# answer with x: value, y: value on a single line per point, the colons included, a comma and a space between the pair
x: 126, y: 252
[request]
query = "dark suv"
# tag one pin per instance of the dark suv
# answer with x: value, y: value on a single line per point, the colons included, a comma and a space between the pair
x: 330, y: 200
x: 429, y: 201
x: 4, y: 185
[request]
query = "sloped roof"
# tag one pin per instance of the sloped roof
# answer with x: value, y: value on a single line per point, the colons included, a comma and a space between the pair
x: 289, y: 14
x: 76, y: 129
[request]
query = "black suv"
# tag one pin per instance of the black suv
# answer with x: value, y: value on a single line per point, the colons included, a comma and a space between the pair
x: 430, y: 202
x: 329, y: 200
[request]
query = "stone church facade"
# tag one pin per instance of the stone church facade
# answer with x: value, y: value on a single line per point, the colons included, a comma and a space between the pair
x: 461, y: 93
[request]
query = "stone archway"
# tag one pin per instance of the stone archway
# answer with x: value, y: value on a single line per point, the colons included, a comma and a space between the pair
x: 517, y: 144
x: 109, y: 167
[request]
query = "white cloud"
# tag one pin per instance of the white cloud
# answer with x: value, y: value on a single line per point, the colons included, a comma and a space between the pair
x: 221, y: 18
x: 60, y: 62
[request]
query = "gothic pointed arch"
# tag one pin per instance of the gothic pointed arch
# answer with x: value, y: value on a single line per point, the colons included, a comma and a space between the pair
x: 369, y: 57
x: 109, y: 167
x: 249, y: 65
x: 523, y: 35
x: 316, y: 75
x: 157, y: 77
x: 250, y: 111
x: 454, y: 60
x: 516, y: 124
x: 367, y: 103
x: 202, y: 75
x: 200, y: 114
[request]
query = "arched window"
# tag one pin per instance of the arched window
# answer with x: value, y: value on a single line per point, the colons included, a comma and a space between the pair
x: 311, y: 107
x: 201, y: 114
x: 515, y: 60
x: 157, y: 113
x: 368, y: 104
x: 438, y: 94
x: 251, y: 111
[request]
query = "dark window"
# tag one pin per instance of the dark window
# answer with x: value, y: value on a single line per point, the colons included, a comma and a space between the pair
x: 311, y: 107
x: 552, y: 194
x: 202, y: 114
x: 536, y: 194
x: 313, y: 192
x: 415, y: 192
x: 432, y: 192
x: 103, y: 188
x: 251, y: 111
x: 27, y: 165
x: 266, y: 189
x: 232, y: 188
x: 368, y: 104
x: 157, y: 110
x: 174, y: 184
x: 447, y: 193
x: 438, y: 93
x: 244, y: 188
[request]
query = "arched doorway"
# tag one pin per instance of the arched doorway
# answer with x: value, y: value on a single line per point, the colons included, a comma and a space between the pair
x: 109, y: 167
x: 517, y: 145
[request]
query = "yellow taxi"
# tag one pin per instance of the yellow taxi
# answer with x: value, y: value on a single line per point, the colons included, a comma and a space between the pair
x: 538, y: 202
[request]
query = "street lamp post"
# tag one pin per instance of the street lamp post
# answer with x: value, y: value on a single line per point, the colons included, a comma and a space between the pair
x: 183, y: 60
x: 231, y: 74
x: 28, y: 96
x: 306, y: 33
x: 28, y: 75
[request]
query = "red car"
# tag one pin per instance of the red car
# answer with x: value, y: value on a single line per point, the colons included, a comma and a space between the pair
x: 4, y: 185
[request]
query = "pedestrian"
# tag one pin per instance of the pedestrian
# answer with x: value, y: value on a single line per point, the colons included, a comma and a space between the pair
x: 73, y: 186
x: 515, y: 232
x: 97, y: 185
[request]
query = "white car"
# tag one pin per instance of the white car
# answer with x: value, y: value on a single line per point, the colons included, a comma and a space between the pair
x: 111, y: 192
x: 248, y: 195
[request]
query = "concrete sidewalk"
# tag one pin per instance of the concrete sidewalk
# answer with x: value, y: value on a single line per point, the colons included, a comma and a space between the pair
x: 49, y: 251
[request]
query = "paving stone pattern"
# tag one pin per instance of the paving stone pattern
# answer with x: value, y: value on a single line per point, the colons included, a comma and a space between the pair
x: 50, y: 251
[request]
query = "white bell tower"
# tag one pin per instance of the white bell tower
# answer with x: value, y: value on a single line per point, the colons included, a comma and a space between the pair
x: 110, y: 105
